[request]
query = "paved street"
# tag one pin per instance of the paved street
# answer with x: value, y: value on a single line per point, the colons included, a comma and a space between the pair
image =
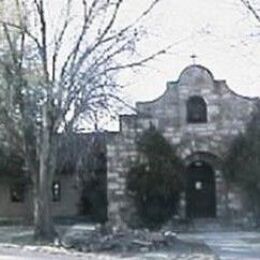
x: 36, y: 253
x: 15, y: 252
x: 230, y: 245
x: 227, y: 245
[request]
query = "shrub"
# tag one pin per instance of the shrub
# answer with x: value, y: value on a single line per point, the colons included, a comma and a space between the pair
x: 155, y: 180
x: 243, y: 160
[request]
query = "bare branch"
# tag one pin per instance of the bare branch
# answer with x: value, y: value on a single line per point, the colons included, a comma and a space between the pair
x: 75, y: 66
x: 44, y: 52
x: 252, y: 10
x: 12, y: 48
x: 59, y: 40
x: 73, y: 93
x: 37, y: 4
x: 136, y: 21
x: 133, y: 64
x: 101, y: 40
x: 74, y: 52
x: 22, y: 29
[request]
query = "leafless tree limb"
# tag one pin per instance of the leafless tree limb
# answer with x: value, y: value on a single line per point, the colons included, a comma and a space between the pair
x: 251, y: 9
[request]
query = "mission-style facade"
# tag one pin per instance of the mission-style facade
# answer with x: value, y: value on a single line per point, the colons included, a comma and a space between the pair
x: 199, y: 116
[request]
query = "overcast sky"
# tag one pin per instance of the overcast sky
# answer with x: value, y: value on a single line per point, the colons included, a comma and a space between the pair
x: 221, y: 33
x: 224, y: 36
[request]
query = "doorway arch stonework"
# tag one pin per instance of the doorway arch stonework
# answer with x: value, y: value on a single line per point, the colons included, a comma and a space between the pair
x: 219, y: 189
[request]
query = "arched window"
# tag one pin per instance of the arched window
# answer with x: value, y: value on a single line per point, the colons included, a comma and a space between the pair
x: 196, y: 110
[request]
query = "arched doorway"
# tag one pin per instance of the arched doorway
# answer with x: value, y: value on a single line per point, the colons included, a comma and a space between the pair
x: 200, y: 191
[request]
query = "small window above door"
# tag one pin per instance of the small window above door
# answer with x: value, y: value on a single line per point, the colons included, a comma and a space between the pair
x: 196, y: 110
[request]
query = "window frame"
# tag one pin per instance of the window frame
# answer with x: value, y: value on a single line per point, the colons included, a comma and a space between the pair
x: 196, y: 110
x: 17, y: 192
x: 56, y: 197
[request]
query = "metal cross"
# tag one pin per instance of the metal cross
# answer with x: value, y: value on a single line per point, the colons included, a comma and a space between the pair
x: 194, y: 57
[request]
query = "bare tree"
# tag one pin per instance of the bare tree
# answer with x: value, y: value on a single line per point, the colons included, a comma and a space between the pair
x: 54, y: 80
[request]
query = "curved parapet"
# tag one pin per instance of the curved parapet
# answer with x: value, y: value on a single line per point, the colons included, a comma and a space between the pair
x: 195, y: 75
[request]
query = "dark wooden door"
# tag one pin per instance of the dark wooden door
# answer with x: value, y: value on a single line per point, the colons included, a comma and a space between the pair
x: 200, y: 191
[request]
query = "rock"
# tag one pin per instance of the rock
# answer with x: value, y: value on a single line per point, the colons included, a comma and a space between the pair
x: 142, y: 243
x: 117, y: 240
x: 170, y: 234
x: 157, y: 237
x: 144, y: 249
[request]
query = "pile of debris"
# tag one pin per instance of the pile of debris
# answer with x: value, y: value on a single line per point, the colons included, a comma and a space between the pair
x: 98, y: 239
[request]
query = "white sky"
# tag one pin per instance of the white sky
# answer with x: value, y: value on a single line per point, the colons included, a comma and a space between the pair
x: 221, y: 33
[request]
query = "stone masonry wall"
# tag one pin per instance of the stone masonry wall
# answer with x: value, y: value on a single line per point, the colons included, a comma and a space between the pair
x: 227, y: 115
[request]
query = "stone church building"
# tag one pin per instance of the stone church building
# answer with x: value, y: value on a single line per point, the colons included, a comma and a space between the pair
x: 198, y: 115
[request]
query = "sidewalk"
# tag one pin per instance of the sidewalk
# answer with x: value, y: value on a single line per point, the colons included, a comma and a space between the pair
x: 16, y: 243
x: 238, y: 245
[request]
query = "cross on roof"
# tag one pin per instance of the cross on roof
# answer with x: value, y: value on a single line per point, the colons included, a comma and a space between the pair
x: 194, y: 57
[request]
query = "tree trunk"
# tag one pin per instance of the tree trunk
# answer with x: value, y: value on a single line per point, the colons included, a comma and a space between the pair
x: 44, y: 228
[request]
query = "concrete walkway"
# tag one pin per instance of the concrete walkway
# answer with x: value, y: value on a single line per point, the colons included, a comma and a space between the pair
x: 230, y: 245
x: 16, y: 244
x: 227, y: 245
